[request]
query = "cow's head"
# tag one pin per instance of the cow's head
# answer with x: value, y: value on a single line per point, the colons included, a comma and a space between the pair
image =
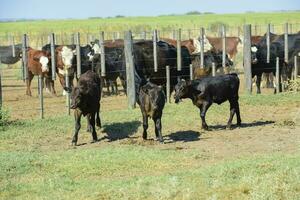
x: 67, y: 55
x: 181, y: 90
x: 95, y: 50
x: 43, y: 58
x: 254, y: 50
x: 197, y: 45
x: 218, y: 57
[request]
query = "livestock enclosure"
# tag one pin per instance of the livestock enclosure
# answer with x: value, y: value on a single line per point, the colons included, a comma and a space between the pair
x: 259, y: 160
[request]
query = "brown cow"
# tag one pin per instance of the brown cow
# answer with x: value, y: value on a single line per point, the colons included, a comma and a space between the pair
x: 193, y: 45
x: 231, y: 45
x: 64, y: 63
x: 37, y: 64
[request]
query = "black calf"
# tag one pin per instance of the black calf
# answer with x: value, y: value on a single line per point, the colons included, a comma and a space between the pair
x: 203, y: 92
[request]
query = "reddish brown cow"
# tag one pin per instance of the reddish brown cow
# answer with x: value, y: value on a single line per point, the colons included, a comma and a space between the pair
x: 37, y: 64
x: 231, y: 45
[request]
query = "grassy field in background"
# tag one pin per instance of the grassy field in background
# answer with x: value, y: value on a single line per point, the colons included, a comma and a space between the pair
x: 146, y: 23
x: 258, y: 161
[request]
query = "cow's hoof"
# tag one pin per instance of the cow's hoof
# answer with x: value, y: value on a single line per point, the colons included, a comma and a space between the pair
x: 205, y: 127
x: 94, y: 141
x: 74, y: 143
x: 89, y: 129
x: 229, y: 127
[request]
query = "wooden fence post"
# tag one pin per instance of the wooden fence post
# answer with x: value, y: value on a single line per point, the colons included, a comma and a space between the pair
x: 102, y: 55
x: 12, y: 43
x: 247, y: 58
x: 67, y: 78
x: 277, y: 75
x: 286, y: 44
x: 78, y: 57
x: 179, y: 61
x: 0, y: 88
x: 168, y: 83
x: 213, y: 69
x: 191, y: 72
x: 296, y: 68
x: 201, y: 47
x: 41, y: 95
x: 223, y: 47
x: 53, y: 61
x: 155, y: 49
x: 268, y: 43
x: 24, y: 57
x: 130, y: 79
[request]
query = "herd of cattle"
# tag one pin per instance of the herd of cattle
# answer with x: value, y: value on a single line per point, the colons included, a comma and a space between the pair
x: 203, y: 91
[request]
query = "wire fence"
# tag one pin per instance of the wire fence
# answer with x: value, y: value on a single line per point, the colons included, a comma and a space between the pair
x: 13, y: 87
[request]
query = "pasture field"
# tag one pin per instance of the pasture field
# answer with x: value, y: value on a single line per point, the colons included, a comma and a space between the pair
x: 138, y: 24
x: 260, y: 160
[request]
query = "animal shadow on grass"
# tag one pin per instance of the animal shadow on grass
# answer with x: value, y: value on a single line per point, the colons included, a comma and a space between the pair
x: 244, y: 125
x: 120, y: 130
x: 184, y: 136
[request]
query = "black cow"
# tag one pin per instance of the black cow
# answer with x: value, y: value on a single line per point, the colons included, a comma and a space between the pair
x: 151, y: 99
x: 114, y: 66
x: 6, y: 54
x: 86, y: 101
x: 203, y: 92
x: 260, y: 65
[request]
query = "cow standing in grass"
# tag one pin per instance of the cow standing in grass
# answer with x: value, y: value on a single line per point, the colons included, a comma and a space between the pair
x: 86, y: 101
x: 151, y: 99
x: 203, y: 92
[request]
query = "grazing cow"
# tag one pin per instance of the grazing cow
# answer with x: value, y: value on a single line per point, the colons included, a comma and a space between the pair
x: 85, y: 99
x: 6, y: 55
x: 151, y: 99
x: 203, y: 92
x: 231, y: 45
x: 37, y: 63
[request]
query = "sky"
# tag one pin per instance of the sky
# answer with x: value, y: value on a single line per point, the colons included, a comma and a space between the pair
x: 62, y: 9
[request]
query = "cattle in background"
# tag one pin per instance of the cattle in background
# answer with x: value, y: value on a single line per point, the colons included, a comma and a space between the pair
x: 193, y: 45
x: 210, y: 57
x: 85, y: 100
x: 6, y: 54
x: 203, y: 92
x: 231, y: 45
x: 259, y: 57
x: 151, y: 99
x: 38, y: 64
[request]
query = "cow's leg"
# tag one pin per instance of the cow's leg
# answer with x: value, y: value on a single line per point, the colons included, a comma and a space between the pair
x: 157, y: 122
x: 92, y: 121
x: 53, y: 91
x: 238, y: 116
x: 77, y: 116
x: 145, y: 125
x: 28, y: 83
x: 88, y: 122
x: 203, y: 109
x: 232, y: 112
x: 98, y: 120
x: 258, y: 81
x: 116, y: 87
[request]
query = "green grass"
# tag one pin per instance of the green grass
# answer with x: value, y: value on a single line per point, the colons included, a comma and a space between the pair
x: 138, y: 24
x: 38, y: 163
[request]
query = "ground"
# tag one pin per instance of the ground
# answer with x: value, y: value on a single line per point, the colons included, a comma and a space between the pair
x: 259, y: 160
